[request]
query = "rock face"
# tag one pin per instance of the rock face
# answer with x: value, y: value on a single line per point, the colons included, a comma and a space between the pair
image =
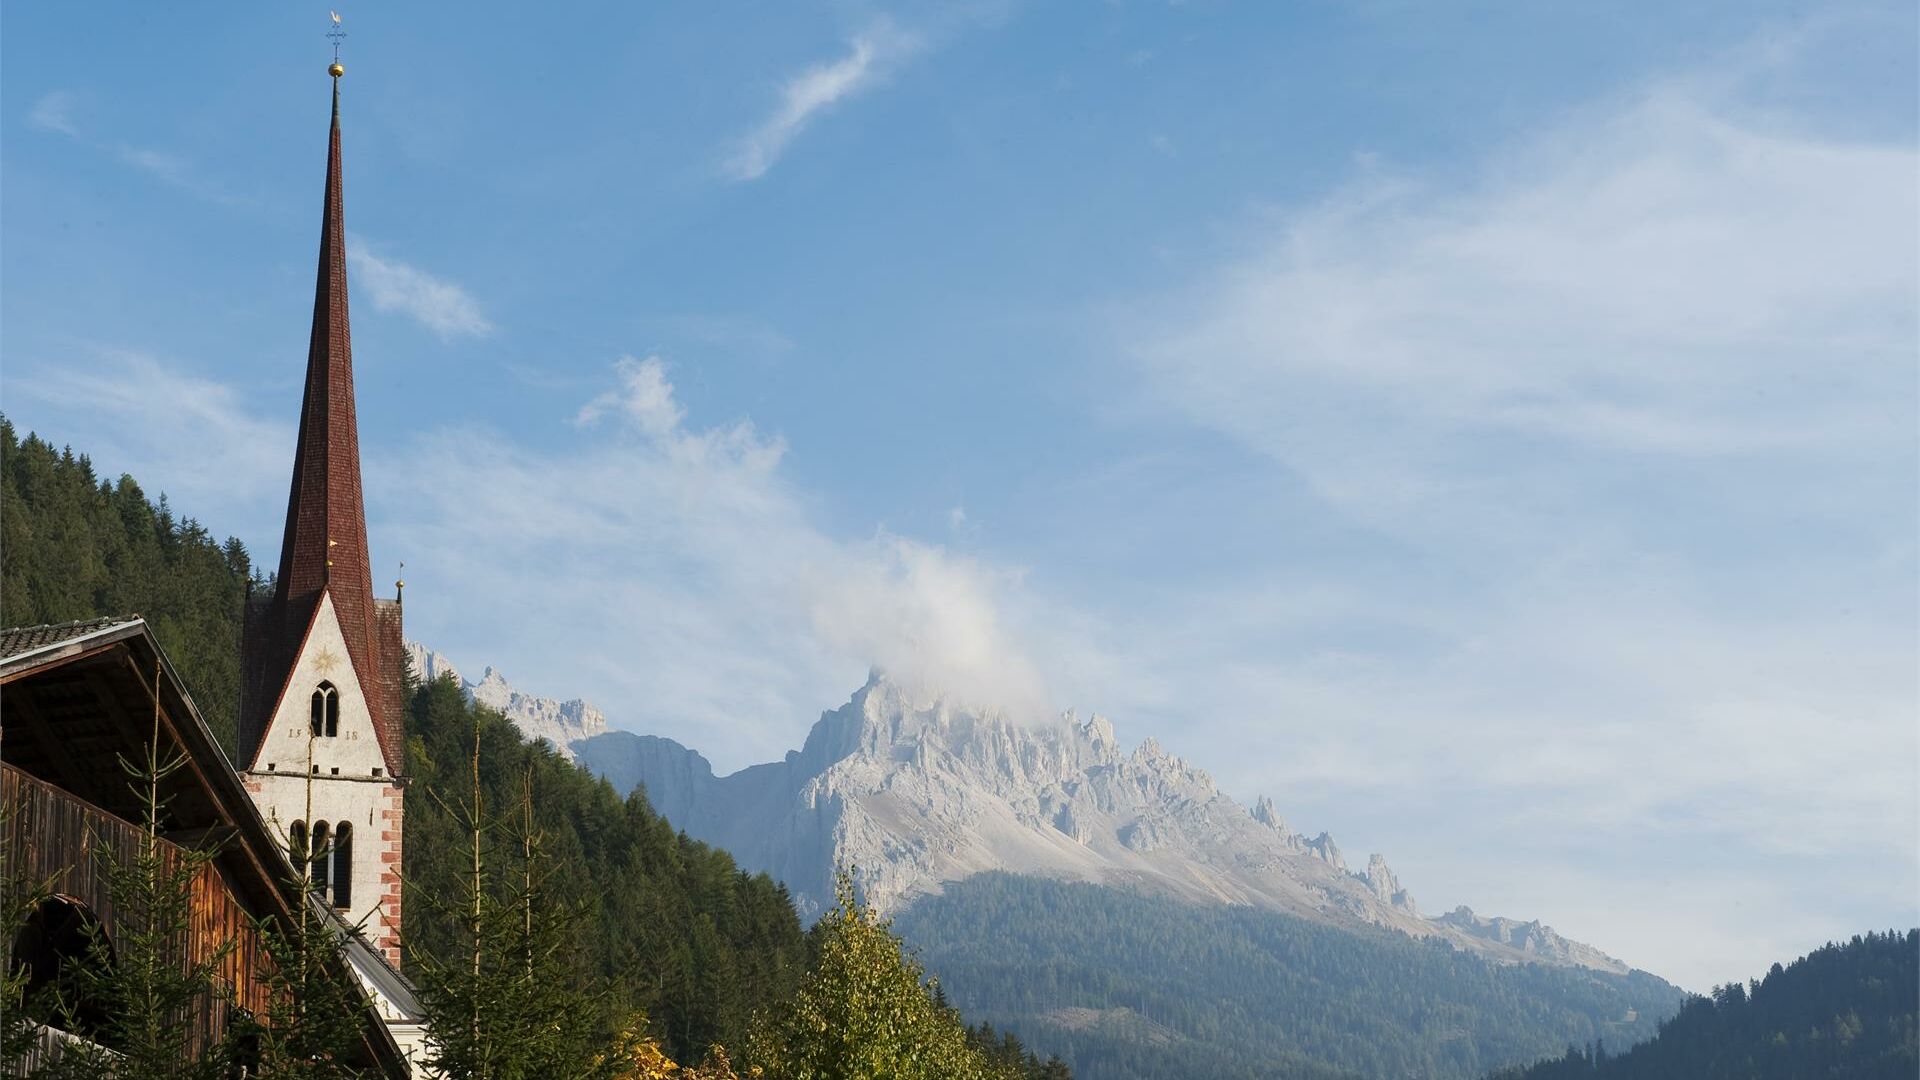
x: 919, y: 793
x: 1386, y: 888
x: 561, y: 723
x: 1530, y: 938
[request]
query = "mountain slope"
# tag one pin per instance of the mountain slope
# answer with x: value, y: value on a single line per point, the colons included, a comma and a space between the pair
x: 1844, y: 1011
x: 919, y: 794
x: 1126, y: 987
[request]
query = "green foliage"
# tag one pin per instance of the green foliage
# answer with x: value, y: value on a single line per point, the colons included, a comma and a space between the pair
x: 667, y: 925
x: 1133, y: 988
x: 1846, y: 1010
x: 864, y: 1011
x: 1009, y: 1057
x: 74, y: 546
x: 508, y: 1001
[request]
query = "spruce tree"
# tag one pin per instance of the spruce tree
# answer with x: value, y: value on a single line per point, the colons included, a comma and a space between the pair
x: 505, y: 1003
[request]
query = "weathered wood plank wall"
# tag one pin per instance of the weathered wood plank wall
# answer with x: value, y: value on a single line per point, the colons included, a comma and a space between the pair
x: 49, y: 835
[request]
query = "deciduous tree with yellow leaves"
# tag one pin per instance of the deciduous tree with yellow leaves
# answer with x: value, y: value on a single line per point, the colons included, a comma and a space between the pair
x: 864, y: 1011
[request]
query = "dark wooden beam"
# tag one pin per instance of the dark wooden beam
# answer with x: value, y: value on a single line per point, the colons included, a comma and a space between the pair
x: 20, y: 702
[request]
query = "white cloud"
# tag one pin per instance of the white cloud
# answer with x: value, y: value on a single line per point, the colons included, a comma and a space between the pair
x: 441, y: 306
x: 1634, y: 411
x: 54, y: 112
x: 644, y: 398
x: 871, y: 56
x: 179, y: 433
x: 1669, y: 278
x: 677, y: 578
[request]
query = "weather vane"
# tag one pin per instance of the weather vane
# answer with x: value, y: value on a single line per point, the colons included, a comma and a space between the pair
x: 336, y: 35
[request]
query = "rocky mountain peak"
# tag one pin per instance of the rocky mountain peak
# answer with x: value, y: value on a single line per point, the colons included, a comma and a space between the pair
x: 1264, y: 813
x: 561, y: 723
x: 1386, y: 887
x: 1322, y: 846
x: 920, y: 790
x: 1530, y: 938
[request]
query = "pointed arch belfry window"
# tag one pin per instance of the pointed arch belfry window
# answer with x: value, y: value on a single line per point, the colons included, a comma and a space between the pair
x: 324, y: 715
x: 322, y: 856
x: 343, y: 865
x: 297, y: 847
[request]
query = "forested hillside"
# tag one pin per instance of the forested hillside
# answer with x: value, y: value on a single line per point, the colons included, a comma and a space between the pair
x: 667, y: 926
x: 670, y: 923
x: 1843, y: 1012
x: 676, y: 928
x: 1126, y: 987
x: 74, y: 546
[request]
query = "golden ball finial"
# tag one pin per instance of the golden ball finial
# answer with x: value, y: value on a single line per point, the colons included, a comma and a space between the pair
x: 334, y: 69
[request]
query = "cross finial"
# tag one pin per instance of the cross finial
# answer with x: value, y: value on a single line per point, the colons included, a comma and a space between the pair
x: 336, y: 35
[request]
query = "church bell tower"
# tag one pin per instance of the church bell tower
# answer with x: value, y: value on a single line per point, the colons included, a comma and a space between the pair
x: 322, y: 736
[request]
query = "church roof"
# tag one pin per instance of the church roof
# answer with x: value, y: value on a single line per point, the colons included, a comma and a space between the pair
x: 324, y: 546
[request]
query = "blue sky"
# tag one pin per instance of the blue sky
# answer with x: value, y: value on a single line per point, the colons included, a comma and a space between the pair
x: 1487, y: 429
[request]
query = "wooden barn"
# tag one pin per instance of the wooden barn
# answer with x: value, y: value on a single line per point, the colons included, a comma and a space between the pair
x: 76, y: 699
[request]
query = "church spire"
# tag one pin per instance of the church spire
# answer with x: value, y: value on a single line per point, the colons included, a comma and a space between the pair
x: 322, y: 732
x: 323, y: 550
x: 325, y: 543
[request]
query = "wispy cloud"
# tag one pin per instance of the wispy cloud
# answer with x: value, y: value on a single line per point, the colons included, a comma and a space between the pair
x: 54, y: 112
x: 643, y: 397
x: 441, y: 306
x: 1635, y: 412
x: 1658, y: 279
x: 871, y: 56
x: 680, y: 579
x: 182, y: 433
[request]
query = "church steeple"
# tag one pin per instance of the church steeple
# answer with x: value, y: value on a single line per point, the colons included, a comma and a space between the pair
x: 325, y: 543
x: 322, y: 740
x: 324, y: 547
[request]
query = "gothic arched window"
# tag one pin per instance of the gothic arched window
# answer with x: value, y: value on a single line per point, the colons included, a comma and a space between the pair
x: 324, y: 717
x: 297, y: 847
x: 322, y: 854
x: 343, y: 865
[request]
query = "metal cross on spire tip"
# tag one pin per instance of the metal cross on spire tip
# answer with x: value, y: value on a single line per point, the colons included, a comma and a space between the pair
x: 336, y: 35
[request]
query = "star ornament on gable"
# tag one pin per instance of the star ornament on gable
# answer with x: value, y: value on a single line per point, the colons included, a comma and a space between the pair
x: 325, y: 661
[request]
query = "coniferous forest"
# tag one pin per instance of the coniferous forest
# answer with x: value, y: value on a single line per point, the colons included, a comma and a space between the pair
x: 1848, y: 1010
x: 1127, y: 987
x: 78, y: 546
